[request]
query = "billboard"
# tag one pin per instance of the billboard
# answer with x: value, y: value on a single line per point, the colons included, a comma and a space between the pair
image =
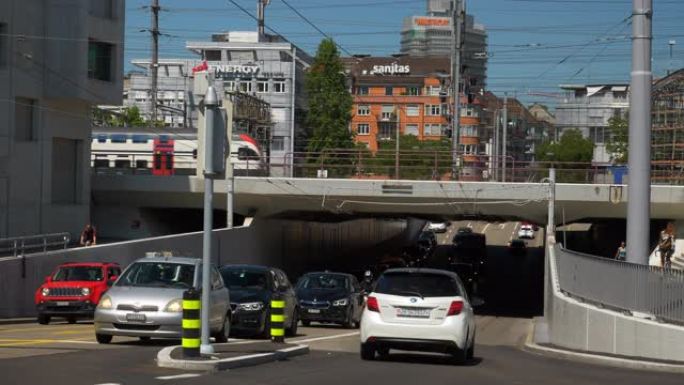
x: 423, y: 21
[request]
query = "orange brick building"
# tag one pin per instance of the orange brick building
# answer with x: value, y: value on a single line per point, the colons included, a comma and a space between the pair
x: 410, y: 95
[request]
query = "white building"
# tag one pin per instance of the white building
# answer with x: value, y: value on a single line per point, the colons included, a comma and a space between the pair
x: 58, y: 58
x: 589, y: 108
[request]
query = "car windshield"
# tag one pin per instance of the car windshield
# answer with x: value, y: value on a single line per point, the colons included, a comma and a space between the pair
x: 78, y: 273
x: 417, y: 284
x: 245, y: 279
x: 323, y: 281
x: 158, y: 274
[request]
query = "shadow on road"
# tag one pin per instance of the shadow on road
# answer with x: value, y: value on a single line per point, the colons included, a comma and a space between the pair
x: 429, y: 359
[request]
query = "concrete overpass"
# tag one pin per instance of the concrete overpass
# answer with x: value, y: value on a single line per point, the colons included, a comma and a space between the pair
x: 261, y: 197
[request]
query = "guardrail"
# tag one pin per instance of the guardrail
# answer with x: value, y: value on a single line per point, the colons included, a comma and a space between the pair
x: 17, y: 246
x: 622, y: 286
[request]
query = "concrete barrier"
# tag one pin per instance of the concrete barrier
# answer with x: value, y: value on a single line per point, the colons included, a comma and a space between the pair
x: 579, y: 326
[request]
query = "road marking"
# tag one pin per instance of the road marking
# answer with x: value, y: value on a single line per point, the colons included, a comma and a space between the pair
x: 485, y: 228
x: 20, y: 342
x: 109, y: 383
x: 178, y: 376
x: 336, y: 336
x: 502, y: 226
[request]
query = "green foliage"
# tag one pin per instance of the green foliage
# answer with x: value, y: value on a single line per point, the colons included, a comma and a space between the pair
x: 418, y: 159
x: 128, y: 117
x: 573, y: 154
x: 330, y: 103
x: 618, y: 143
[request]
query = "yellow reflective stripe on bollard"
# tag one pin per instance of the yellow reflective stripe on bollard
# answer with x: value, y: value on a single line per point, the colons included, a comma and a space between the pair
x: 277, y: 332
x: 278, y: 304
x: 191, y: 342
x: 191, y: 304
x: 191, y: 324
x: 277, y: 318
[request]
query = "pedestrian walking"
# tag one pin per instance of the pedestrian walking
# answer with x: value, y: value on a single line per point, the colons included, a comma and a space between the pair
x: 88, y: 236
x: 666, y: 245
x: 621, y: 253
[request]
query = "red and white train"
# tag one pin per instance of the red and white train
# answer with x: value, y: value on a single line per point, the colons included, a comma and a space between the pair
x: 165, y: 151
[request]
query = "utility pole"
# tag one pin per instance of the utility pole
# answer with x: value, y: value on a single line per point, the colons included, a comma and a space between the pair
x: 155, y: 56
x: 671, y: 43
x: 457, y: 43
x: 639, y: 189
x: 396, y: 144
x: 505, y: 137
x: 261, y: 17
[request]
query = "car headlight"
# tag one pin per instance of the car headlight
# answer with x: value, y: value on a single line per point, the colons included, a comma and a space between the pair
x: 85, y: 292
x: 45, y: 292
x: 174, y: 306
x: 341, y: 302
x: 105, y: 303
x: 251, y: 306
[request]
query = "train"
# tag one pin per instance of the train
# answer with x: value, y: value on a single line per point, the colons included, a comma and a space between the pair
x: 165, y: 152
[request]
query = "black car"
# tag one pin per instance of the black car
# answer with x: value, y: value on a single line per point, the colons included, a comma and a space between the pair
x: 330, y: 298
x: 251, y: 290
x: 517, y: 247
x: 427, y: 240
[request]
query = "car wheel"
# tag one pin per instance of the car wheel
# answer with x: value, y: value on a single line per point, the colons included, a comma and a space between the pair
x: 266, y: 333
x: 71, y: 320
x: 222, y: 336
x: 292, y: 330
x: 145, y: 339
x: 367, y: 352
x: 103, y: 338
x: 349, y: 322
x: 471, y: 351
x: 383, y: 352
x: 43, y: 319
x: 306, y: 323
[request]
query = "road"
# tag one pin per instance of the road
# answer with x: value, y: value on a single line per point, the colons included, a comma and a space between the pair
x: 63, y: 354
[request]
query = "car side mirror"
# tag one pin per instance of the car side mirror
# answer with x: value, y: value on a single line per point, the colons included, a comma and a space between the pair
x: 477, y: 302
x: 48, y: 279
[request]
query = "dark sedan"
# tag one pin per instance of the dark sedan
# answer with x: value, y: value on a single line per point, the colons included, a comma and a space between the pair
x: 251, y: 289
x: 330, y: 298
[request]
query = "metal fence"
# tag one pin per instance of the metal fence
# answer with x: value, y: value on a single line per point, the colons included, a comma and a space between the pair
x: 622, y: 286
x: 34, y: 243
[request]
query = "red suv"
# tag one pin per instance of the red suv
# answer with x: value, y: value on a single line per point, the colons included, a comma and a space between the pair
x: 73, y: 290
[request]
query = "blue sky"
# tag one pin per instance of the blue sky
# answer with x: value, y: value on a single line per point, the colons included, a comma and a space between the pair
x: 534, y: 45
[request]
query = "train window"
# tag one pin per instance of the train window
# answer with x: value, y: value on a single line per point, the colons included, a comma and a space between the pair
x: 245, y: 153
x: 101, y: 163
x: 157, y: 161
x: 122, y: 163
x: 140, y: 164
x: 118, y: 138
x: 169, y: 161
x: 163, y: 138
x: 102, y: 138
x: 194, y: 154
x: 140, y: 138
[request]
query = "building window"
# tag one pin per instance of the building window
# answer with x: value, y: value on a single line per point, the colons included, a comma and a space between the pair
x: 468, y: 131
x: 66, y: 175
x: 433, y: 130
x: 212, y: 55
x: 3, y: 44
x: 469, y: 149
x: 278, y: 143
x: 24, y: 120
x: 100, y: 61
x: 433, y: 90
x: 412, y: 110
x: 411, y: 129
x: 597, y: 134
x: 262, y: 86
x: 388, y: 91
x: 363, y: 129
x: 433, y: 110
x: 386, y: 131
x: 241, y: 56
x: 229, y: 86
x: 362, y: 90
x: 363, y: 110
x: 413, y: 91
x: 279, y: 86
x: 246, y: 86
x: 387, y: 112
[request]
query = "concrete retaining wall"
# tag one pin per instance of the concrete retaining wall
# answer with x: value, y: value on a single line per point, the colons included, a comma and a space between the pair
x: 580, y: 326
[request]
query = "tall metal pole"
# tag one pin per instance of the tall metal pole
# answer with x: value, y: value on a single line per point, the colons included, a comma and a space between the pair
x: 505, y: 137
x: 211, y: 110
x: 639, y: 189
x: 495, y: 151
x: 670, y: 65
x: 551, y: 220
x: 396, y: 144
x: 155, y: 56
x: 457, y: 43
x: 261, y: 15
x: 293, y: 101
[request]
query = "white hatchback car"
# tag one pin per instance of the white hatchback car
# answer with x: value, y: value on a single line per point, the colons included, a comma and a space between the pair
x: 437, y: 227
x: 526, y: 232
x: 418, y: 310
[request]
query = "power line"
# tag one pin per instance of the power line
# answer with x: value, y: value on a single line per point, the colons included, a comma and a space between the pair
x: 315, y: 27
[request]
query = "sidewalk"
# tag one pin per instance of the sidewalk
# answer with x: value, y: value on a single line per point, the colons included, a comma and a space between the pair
x: 230, y: 356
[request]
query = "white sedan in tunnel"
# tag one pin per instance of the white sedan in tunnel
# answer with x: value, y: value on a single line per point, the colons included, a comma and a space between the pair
x: 418, y: 310
x: 437, y: 227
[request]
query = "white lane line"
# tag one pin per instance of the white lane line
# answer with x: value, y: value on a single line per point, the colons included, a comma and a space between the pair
x: 470, y: 224
x: 178, y: 376
x: 484, y: 231
x: 336, y: 336
x: 109, y: 383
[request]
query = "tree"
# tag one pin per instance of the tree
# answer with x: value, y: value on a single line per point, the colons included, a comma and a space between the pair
x: 618, y: 142
x: 330, y: 103
x: 418, y: 159
x: 128, y: 117
x: 573, y: 153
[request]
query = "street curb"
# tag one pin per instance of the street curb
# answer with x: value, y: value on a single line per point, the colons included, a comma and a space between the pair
x: 597, y: 359
x: 164, y: 359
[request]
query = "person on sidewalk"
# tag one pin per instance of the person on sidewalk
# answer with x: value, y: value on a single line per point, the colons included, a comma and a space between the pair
x: 621, y: 254
x: 666, y: 245
x: 88, y: 236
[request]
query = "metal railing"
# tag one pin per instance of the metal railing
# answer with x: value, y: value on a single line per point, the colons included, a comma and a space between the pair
x: 18, y: 246
x: 621, y: 285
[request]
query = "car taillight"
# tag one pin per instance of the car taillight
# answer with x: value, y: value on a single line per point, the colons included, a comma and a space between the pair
x: 372, y: 304
x: 455, y: 308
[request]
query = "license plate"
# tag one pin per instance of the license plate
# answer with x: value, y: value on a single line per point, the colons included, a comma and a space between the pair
x: 136, y: 317
x: 413, y: 313
x: 62, y: 303
x: 314, y: 311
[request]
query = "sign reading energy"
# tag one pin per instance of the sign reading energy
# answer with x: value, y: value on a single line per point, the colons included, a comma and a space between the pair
x: 431, y: 21
x: 232, y: 70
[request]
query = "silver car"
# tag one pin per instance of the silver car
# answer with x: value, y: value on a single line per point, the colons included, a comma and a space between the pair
x: 147, y: 300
